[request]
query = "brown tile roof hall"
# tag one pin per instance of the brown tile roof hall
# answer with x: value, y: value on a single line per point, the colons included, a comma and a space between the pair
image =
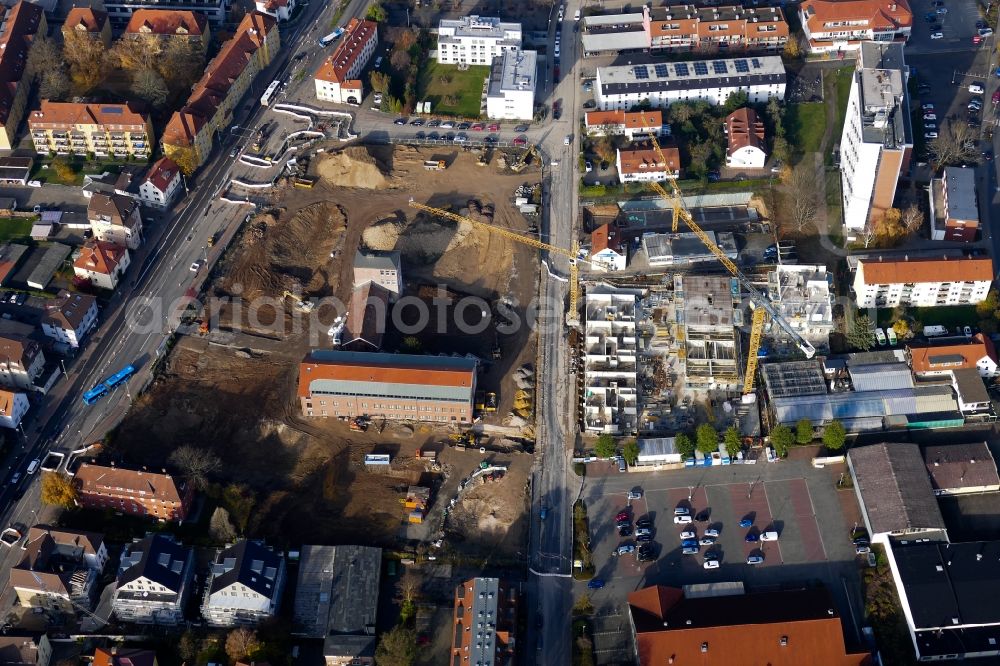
x: 116, y: 208
x: 930, y: 358
x: 631, y: 120
x: 603, y: 237
x: 394, y: 374
x: 148, y: 485
x: 167, y: 22
x: 92, y: 20
x: 15, y: 349
x: 68, y: 309
x: 644, y: 159
x: 744, y: 129
x: 927, y: 270
x: 878, y: 13
x: 357, y: 34
x: 162, y: 173
x: 955, y: 466
x: 57, y: 115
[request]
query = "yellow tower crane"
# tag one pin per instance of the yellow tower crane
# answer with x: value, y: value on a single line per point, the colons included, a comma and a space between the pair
x: 764, y: 307
x: 574, y: 272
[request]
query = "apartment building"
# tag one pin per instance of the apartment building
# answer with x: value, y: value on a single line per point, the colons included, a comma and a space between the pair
x: 25, y: 650
x: 607, y: 252
x: 705, y: 307
x: 689, y: 28
x: 633, y: 125
x: 73, y: 128
x: 747, y: 142
x: 154, y: 581
x: 610, y: 364
x: 134, y: 492
x: 170, y: 24
x: 484, y: 623
x: 244, y: 585
x: 13, y: 406
x: 475, y: 40
x: 120, y: 11
x: 396, y: 386
x: 102, y: 264
x: 115, y: 218
x: 930, y: 360
x: 69, y: 317
x: 954, y: 205
x: 90, y: 22
x: 279, y: 9
x: 922, y: 282
x: 338, y: 78
x: 382, y: 268
x: 18, y: 28
x: 877, y: 140
x: 511, y: 91
x: 660, y: 84
x: 21, y: 362
x: 802, y: 294
x: 642, y: 164
x: 188, y: 136
x: 59, y: 569
x: 162, y: 185
x: 836, y: 26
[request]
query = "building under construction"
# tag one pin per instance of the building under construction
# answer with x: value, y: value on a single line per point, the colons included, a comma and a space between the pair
x: 802, y: 295
x: 707, y: 311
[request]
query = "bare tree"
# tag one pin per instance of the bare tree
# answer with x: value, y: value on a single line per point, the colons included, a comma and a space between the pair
x: 867, y: 234
x: 409, y: 587
x: 137, y: 53
x: 150, y: 86
x: 220, y: 527
x: 195, y: 464
x: 241, y: 643
x: 182, y: 63
x: 802, y: 197
x: 54, y: 85
x: 913, y: 219
x: 954, y: 145
x: 87, y: 60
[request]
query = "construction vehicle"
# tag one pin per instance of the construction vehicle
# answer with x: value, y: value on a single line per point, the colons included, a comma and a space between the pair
x: 211, y: 240
x: 301, y: 304
x: 435, y: 165
x: 483, y: 157
x: 518, y: 166
x: 764, y: 308
x: 304, y: 182
x: 360, y: 423
x: 572, y: 316
x: 491, y: 402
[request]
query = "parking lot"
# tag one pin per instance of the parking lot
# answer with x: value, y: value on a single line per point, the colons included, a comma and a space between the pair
x: 957, y: 26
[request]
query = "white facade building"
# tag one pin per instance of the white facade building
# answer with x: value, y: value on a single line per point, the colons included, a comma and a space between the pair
x: 835, y: 26
x: 625, y: 86
x: 611, y: 360
x: 244, y: 585
x: 337, y: 78
x: 511, y: 93
x: 922, y: 282
x: 475, y: 40
x: 13, y: 406
x: 162, y: 184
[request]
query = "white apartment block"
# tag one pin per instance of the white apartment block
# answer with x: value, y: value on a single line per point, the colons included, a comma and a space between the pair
x: 802, y: 294
x: 611, y: 361
x: 475, y: 40
x: 877, y: 141
x: 244, y: 586
x: 337, y: 78
x: 922, y: 282
x: 661, y: 84
x: 837, y: 26
x: 511, y: 92
x: 13, y: 406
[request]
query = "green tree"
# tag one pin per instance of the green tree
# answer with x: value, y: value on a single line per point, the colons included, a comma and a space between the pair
x: 630, y: 452
x: 782, y: 439
x: 379, y: 81
x: 736, y: 100
x: 732, y: 440
x: 988, y: 305
x: 861, y: 334
x: 605, y: 447
x: 397, y: 647
x: 684, y: 444
x: 834, y: 436
x: 377, y: 13
x: 803, y: 431
x: 707, y: 438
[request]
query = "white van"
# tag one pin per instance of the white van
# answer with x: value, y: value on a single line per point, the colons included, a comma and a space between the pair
x: 769, y: 536
x: 33, y: 466
x: 976, y: 88
x: 576, y: 16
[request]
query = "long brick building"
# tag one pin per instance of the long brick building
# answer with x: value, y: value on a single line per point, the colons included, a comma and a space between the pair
x: 397, y: 386
x: 135, y: 492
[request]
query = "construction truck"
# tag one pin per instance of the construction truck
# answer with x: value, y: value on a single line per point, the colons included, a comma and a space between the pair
x: 491, y: 402
x: 518, y: 166
x: 304, y: 182
x: 435, y: 165
x: 303, y: 305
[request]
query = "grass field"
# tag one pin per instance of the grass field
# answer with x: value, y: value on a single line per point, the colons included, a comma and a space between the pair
x: 805, y: 124
x: 465, y: 86
x: 13, y: 228
x: 844, y: 77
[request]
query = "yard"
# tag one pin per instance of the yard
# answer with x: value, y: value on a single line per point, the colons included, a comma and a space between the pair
x: 845, y: 75
x: 441, y: 84
x: 950, y: 317
x: 15, y: 228
x: 805, y: 124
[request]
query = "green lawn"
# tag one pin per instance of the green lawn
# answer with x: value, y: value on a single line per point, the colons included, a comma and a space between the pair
x: 465, y: 86
x: 844, y: 77
x: 805, y: 124
x: 949, y: 317
x: 13, y: 228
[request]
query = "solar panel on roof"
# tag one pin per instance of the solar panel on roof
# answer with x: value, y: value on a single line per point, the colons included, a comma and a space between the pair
x: 681, y: 69
x: 111, y: 109
x: 662, y: 71
x: 756, y: 63
x: 641, y: 72
x: 742, y: 66
x: 719, y: 66
x: 701, y: 68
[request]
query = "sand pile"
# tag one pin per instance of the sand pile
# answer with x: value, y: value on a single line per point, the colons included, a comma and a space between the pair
x: 352, y: 167
x: 419, y: 240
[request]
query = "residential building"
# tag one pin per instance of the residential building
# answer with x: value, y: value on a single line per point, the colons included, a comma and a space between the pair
x: 103, y: 264
x: 244, y: 585
x: 383, y: 268
x: 59, y: 569
x: 960, y: 469
x: 53, y: 259
x: 954, y: 207
x: 606, y: 249
x: 367, y: 314
x: 336, y: 599
x: 90, y: 22
x: 877, y: 140
x: 511, y: 91
x: 662, y: 83
x: 396, y: 386
x: 729, y: 27
x: 484, y: 623
x: 120, y: 11
x: 18, y: 27
x: 929, y: 360
x: 123, y: 656
x: 155, y: 578
x: 894, y: 492
x: 338, y: 79
x: 611, y: 360
x: 21, y: 362
x: 279, y: 9
x: 747, y: 146
x: 162, y: 184
x: 843, y: 25
x: 125, y: 182
x: 633, y: 125
x: 15, y: 171
x: 134, y: 492
x: 706, y: 307
x: 922, y: 282
x: 189, y: 134
x: 802, y: 294
x: 614, y: 33
x: 170, y: 24
x: 115, y: 219
x: 686, y: 249
x: 973, y: 400
x: 25, y: 651
x: 723, y: 627
x: 74, y: 128
x: 13, y: 406
x: 642, y: 163
x: 476, y: 40
x: 10, y: 258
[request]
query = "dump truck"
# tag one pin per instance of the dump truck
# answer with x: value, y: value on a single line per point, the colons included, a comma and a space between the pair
x: 435, y: 165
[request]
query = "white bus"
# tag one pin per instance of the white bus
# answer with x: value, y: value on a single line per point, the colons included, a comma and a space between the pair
x: 268, y: 95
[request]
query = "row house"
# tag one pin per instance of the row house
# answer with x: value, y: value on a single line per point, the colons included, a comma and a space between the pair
x: 59, y: 569
x: 115, y: 218
x: 87, y: 22
x: 102, y: 264
x: 643, y: 164
x: 338, y: 78
x: 69, y: 317
x: 167, y: 24
x: 687, y: 27
x: 835, y: 26
x: 954, y: 205
x: 154, y: 581
x: 922, y: 282
x: 104, y: 130
x: 189, y: 134
x: 21, y: 362
x: 484, y: 622
x: 134, y: 492
x: 18, y: 27
x: 244, y: 585
x: 930, y: 360
x: 632, y: 125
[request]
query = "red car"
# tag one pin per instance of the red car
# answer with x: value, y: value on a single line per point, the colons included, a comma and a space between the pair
x: 622, y: 515
x: 494, y: 127
x: 520, y: 141
x: 478, y: 127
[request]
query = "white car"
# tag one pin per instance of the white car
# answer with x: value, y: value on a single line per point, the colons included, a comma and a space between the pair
x: 634, y: 494
x: 689, y: 534
x: 976, y: 88
x: 706, y: 541
x: 927, y: 107
x: 588, y: 166
x: 930, y: 135
x: 682, y: 520
x: 712, y: 532
x: 711, y: 564
x: 937, y: 35
x: 568, y: 140
x: 755, y: 559
x: 942, y: 11
x: 985, y: 32
x: 196, y: 266
x: 682, y: 511
x: 930, y: 116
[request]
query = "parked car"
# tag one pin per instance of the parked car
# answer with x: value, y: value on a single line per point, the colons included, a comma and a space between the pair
x: 624, y: 530
x: 706, y: 541
x: 434, y: 122
x: 595, y: 583
x: 196, y: 266
x: 643, y: 531
x: 521, y: 128
x: 417, y: 122
x: 464, y: 126
x: 623, y: 515
x: 930, y: 135
x: 682, y: 520
x: 689, y: 542
x: 625, y: 549
x: 644, y: 538
x: 644, y: 522
x: 520, y: 141
x: 645, y: 556
x: 682, y: 511
x: 689, y: 534
x: 862, y: 550
x: 14, y: 479
x: 634, y: 494
x: 985, y: 32
x: 588, y: 166
x: 461, y: 138
x: 752, y: 537
x: 942, y: 10
x: 937, y: 35
x: 755, y: 559
x: 712, y: 532
x: 493, y: 127
x: 711, y: 564
x: 976, y: 88
x: 930, y: 17
x: 690, y: 550
x: 447, y: 125
x: 434, y: 136
x: 746, y: 522
x: 930, y: 116
x: 769, y: 535
x: 420, y: 135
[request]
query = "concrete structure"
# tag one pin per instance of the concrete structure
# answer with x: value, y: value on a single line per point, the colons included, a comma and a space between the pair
x: 606, y: 249
x: 776, y: 627
x: 15, y: 171
x: 18, y: 27
x: 162, y: 184
x: 614, y: 33
x: 155, y: 578
x: 631, y: 125
x: 188, y: 136
x: 170, y: 24
x: 244, y: 585
x: 686, y: 249
x: 396, y: 386
x: 877, y: 141
x: 120, y: 11
x: 279, y: 9
x: 59, y: 570
x: 843, y: 25
x: 115, y: 219
x: 336, y: 599
x: 954, y: 205
x: 610, y: 360
x: 338, y: 78
x: 729, y: 27
x: 25, y: 651
x: 484, y: 623
x: 660, y: 84
x: 922, y: 282
x: 803, y: 295
x: 928, y: 360
x: 747, y: 145
x: 642, y: 164
x: 13, y: 406
x: 476, y: 40
x: 383, y: 268
x: 705, y: 306
x: 134, y: 492
x: 960, y: 469
x: 367, y: 315
x: 106, y: 130
x: 103, y: 264
x: 21, y: 362
x: 894, y: 492
x: 89, y: 22
x: 511, y: 91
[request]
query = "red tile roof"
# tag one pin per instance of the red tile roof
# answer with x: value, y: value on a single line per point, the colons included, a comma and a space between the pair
x: 630, y: 119
x: 65, y: 115
x: 951, y: 357
x: 92, y: 20
x: 398, y: 373
x: 116, y: 482
x: 100, y: 257
x: 356, y: 36
x: 644, y: 159
x: 22, y: 21
x: 876, y: 13
x: 744, y: 129
x: 162, y: 173
x: 968, y: 269
x: 167, y: 22
x: 603, y: 237
x: 124, y: 657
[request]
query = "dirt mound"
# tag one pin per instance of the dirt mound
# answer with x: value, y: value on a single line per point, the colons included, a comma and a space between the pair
x: 352, y: 167
x: 420, y: 240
